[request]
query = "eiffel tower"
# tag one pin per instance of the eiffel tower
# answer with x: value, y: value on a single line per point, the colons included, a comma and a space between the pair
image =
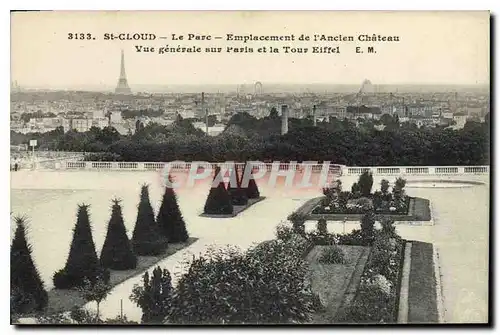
x: 122, y: 87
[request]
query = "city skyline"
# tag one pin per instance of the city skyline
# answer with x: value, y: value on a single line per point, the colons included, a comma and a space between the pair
x: 455, y: 43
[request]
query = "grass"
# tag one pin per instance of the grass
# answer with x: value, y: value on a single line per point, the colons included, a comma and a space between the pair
x: 332, y: 281
x: 419, y: 210
x: 236, y: 209
x: 65, y: 300
x: 422, y: 288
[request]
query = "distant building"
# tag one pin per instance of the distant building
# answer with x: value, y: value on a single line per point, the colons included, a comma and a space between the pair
x: 98, y: 114
x: 100, y: 122
x: 367, y: 87
x: 116, y: 117
x: 80, y: 125
x: 460, y: 120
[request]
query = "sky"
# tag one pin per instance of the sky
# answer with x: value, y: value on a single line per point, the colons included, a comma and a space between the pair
x: 433, y: 48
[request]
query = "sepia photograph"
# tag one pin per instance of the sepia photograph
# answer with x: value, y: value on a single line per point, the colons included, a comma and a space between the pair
x: 250, y: 168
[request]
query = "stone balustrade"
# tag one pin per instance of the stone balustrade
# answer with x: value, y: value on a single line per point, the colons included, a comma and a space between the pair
x: 338, y: 169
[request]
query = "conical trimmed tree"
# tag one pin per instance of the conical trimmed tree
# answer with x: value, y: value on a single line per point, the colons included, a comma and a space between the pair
x: 147, y: 239
x: 252, y: 190
x: 27, y: 291
x: 218, y: 199
x: 169, y: 218
x: 82, y: 264
x: 238, y: 194
x: 117, y: 253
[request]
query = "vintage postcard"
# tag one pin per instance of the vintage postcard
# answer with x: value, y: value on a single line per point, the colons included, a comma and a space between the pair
x: 250, y: 167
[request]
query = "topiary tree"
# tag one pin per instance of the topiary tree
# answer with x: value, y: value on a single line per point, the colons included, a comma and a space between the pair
x: 365, y: 183
x: 82, y: 263
x: 368, y: 227
x: 384, y: 186
x: 388, y: 227
x: 154, y: 297
x: 298, y: 222
x: 169, y: 219
x: 252, y: 190
x: 117, y: 253
x: 147, y: 239
x: 238, y: 194
x: 321, y: 227
x: 355, y: 190
x: 27, y: 291
x: 400, y: 183
x: 219, y: 199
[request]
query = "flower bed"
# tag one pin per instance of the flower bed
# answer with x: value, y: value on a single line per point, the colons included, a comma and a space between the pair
x: 363, y: 205
x: 377, y: 297
x: 418, y: 210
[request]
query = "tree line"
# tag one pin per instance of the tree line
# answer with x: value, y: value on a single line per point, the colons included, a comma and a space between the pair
x: 248, y: 138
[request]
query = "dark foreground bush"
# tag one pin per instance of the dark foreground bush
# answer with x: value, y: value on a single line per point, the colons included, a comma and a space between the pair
x: 265, y: 285
x: 154, y: 296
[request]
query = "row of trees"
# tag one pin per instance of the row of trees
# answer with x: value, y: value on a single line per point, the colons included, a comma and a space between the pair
x: 248, y: 138
x: 151, y: 237
x: 220, y: 200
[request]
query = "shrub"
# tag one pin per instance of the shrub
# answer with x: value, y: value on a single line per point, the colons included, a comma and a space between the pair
x: 355, y: 190
x: 321, y: 227
x: 206, y: 293
x: 298, y: 221
x: 318, y: 239
x: 284, y: 232
x: 82, y: 263
x: 388, y: 227
x: 218, y: 200
x: 170, y: 220
x: 154, y: 296
x: 384, y: 186
x: 355, y: 237
x: 377, y: 200
x: 365, y: 183
x: 400, y: 183
x: 368, y: 227
x: 238, y: 194
x: 27, y: 291
x: 117, y: 251
x: 298, y: 244
x: 147, y: 239
x: 95, y: 291
x: 332, y: 255
x: 64, y: 280
x: 370, y: 306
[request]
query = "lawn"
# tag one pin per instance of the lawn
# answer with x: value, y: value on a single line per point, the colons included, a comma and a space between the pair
x: 335, y: 283
x: 422, y: 288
